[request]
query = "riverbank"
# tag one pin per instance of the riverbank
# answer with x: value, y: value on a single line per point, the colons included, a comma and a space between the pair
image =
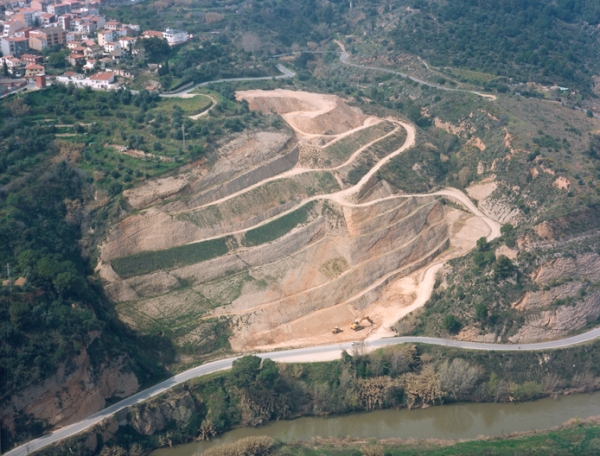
x: 395, y: 377
x: 573, y: 437
x: 448, y: 423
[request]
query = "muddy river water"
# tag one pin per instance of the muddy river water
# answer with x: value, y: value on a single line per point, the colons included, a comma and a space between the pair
x: 455, y: 421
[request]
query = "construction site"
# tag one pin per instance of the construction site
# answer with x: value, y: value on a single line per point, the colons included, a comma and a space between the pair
x: 288, y: 236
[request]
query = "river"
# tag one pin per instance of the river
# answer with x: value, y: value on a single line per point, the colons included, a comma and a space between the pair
x: 454, y: 421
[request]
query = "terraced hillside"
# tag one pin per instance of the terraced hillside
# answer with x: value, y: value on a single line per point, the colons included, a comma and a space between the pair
x: 282, y: 236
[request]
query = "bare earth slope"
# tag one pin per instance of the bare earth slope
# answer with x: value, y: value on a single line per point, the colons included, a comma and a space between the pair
x: 282, y: 249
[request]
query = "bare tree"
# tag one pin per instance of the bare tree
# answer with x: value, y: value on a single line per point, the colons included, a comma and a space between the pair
x: 458, y: 378
x: 251, y: 42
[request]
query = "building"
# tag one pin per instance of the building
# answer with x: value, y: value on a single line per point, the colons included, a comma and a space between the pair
x: 47, y: 18
x: 59, y: 9
x: 40, y: 81
x: 30, y: 58
x: 175, y: 37
x: 127, y: 43
x: 33, y: 69
x: 64, y: 22
x: 47, y: 37
x: 15, y: 46
x: 76, y: 59
x: 99, y: 81
x: 153, y: 34
x: 112, y: 25
x: 12, y: 27
x: 105, y: 36
x: 39, y: 5
x: 27, y: 15
x: 112, y: 47
x: 13, y: 64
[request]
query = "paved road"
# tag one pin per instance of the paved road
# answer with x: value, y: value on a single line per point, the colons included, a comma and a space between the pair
x: 344, y: 59
x: 332, y: 351
x: 286, y: 74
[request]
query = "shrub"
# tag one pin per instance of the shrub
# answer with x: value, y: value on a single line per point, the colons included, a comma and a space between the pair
x: 249, y: 446
x: 452, y: 324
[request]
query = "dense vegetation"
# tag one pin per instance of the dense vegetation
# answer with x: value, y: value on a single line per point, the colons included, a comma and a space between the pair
x: 175, y: 257
x: 396, y: 376
x: 546, y: 41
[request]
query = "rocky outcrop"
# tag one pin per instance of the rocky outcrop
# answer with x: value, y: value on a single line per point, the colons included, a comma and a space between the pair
x: 153, y: 416
x: 557, y: 323
x: 74, y: 392
x: 562, y: 305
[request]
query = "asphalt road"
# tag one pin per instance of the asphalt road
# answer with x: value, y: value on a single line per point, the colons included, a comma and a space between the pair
x: 332, y: 351
x: 286, y: 73
x: 344, y: 59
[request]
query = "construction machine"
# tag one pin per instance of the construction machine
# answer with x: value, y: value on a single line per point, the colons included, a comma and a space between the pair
x: 336, y: 330
x: 356, y: 326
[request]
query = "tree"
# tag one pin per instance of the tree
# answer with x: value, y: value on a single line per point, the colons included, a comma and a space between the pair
x: 251, y: 42
x: 244, y: 371
x: 452, y: 324
x: 503, y: 267
x: 4, y: 68
x: 482, y: 244
x: 458, y: 378
x: 156, y: 49
x: 481, y: 312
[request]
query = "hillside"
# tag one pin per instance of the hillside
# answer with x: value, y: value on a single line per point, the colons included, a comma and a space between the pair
x: 144, y: 234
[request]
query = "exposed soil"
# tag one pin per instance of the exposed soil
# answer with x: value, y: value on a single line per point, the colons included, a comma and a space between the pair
x: 352, y: 257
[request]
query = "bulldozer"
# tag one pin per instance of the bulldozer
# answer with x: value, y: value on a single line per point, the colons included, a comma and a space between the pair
x: 356, y: 326
x: 336, y: 330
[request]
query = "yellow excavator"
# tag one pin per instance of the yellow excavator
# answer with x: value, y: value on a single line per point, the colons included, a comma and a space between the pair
x: 356, y: 326
x: 336, y: 330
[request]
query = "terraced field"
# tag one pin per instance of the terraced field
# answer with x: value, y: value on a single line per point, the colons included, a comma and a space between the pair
x: 272, y: 245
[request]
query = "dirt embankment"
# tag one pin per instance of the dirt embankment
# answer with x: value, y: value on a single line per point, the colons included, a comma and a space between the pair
x: 564, y: 302
x: 73, y: 393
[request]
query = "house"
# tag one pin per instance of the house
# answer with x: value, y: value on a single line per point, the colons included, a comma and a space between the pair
x: 47, y: 18
x: 30, y: 58
x: 12, y: 27
x: 105, y: 80
x: 39, y: 5
x: 112, y: 47
x: 127, y: 43
x: 134, y: 29
x: 76, y: 59
x: 175, y: 37
x: 64, y: 22
x: 13, y: 64
x: 73, y: 44
x: 27, y: 16
x: 98, y: 21
x: 33, y: 69
x: 59, y: 9
x: 105, y: 36
x: 112, y: 25
x: 47, y: 37
x: 124, y: 73
x: 93, y: 51
x: 117, y: 33
x: 153, y: 34
x: 14, y: 46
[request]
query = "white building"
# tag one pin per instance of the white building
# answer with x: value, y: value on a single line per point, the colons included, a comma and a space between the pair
x: 175, y: 37
x: 98, y: 81
x: 111, y: 47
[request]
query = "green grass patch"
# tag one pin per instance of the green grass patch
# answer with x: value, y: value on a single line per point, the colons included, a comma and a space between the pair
x: 176, y: 257
x: 277, y: 228
x: 189, y: 106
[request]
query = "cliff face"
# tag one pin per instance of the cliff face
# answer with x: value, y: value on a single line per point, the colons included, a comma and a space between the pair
x: 77, y: 390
